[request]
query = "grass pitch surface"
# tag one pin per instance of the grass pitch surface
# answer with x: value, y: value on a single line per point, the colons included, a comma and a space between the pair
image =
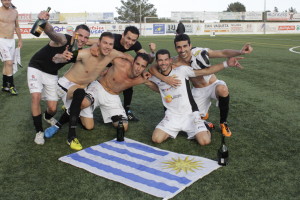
x: 264, y: 118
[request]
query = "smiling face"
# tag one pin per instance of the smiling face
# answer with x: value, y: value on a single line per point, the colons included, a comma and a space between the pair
x: 183, y: 48
x: 139, y: 65
x: 129, y: 39
x: 106, y: 44
x: 83, y: 37
x: 6, y: 3
x: 163, y: 61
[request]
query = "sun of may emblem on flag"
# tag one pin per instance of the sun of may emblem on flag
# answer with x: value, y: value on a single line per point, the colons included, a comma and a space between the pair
x: 183, y: 165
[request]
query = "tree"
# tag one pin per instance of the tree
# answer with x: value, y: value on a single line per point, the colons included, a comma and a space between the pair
x: 131, y: 9
x: 236, y: 7
x: 276, y: 9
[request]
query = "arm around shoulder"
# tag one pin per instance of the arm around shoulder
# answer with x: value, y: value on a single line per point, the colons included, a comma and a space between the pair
x: 118, y: 54
x: 152, y: 86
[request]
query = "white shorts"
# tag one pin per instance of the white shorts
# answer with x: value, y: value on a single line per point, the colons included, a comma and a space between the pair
x: 190, y: 123
x: 62, y: 87
x: 7, y: 49
x: 42, y: 82
x: 110, y: 104
x: 203, y: 96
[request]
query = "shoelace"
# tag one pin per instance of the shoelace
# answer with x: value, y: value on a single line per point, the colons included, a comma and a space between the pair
x: 226, y: 127
x: 76, y: 141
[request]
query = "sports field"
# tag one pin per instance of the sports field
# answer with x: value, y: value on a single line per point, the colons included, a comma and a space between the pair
x: 264, y: 117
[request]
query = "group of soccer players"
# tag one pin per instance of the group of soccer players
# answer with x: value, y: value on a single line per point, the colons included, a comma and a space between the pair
x: 82, y: 91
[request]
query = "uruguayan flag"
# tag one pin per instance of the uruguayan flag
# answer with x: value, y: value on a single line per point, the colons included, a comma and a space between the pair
x: 152, y: 170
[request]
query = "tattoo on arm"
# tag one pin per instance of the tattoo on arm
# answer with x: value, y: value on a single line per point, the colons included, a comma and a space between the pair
x: 54, y: 36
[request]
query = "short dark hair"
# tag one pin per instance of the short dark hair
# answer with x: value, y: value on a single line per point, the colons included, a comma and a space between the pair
x: 132, y: 29
x: 162, y: 52
x: 82, y: 26
x: 144, y: 56
x: 107, y: 34
x: 182, y: 37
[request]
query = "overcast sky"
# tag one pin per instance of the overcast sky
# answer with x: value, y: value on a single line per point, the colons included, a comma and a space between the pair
x: 164, y: 7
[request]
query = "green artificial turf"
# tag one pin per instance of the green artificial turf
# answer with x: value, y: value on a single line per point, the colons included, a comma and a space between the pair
x: 263, y: 150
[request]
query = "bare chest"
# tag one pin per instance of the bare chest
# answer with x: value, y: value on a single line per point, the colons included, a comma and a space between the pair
x: 93, y: 67
x: 7, y: 17
x: 118, y: 83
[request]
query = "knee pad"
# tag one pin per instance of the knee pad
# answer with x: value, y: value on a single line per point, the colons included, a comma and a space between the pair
x: 89, y: 97
x: 79, y: 93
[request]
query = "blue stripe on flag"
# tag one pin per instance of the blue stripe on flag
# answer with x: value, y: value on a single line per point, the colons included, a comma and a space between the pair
x: 142, y: 148
x: 130, y: 176
x: 125, y: 151
x: 137, y: 166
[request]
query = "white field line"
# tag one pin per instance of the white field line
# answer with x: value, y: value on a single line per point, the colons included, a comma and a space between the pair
x: 292, y: 49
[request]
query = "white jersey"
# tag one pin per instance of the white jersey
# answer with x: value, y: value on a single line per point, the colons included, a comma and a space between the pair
x: 177, y: 100
x: 200, y: 59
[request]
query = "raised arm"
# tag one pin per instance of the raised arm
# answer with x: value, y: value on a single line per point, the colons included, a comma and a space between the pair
x: 57, y: 38
x: 226, y: 53
x: 152, y: 48
x: 231, y: 62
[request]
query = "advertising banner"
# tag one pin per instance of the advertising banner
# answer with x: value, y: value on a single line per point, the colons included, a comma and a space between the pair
x: 294, y: 16
x: 277, y: 16
x: 73, y: 17
x: 24, y: 18
x: 158, y: 28
x: 116, y: 28
x: 253, y: 15
x: 100, y: 17
x: 232, y: 15
x: 171, y: 28
x: 150, y: 29
x: 217, y: 27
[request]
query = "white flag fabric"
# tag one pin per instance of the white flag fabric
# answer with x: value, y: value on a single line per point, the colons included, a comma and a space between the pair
x: 17, y: 60
x: 149, y: 169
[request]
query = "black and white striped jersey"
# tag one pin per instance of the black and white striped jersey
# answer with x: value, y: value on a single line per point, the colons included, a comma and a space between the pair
x: 200, y: 60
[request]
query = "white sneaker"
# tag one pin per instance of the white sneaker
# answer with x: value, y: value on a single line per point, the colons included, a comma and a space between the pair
x: 39, y: 138
x: 52, y: 121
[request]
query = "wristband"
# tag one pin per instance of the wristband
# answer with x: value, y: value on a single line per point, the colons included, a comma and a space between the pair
x: 225, y: 64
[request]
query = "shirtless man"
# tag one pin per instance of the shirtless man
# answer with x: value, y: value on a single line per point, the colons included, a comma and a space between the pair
x: 128, y: 41
x: 8, y: 25
x: 86, y: 69
x: 105, y: 92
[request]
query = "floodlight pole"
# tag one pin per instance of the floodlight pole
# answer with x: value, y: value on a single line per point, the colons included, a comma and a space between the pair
x: 141, y: 16
x: 265, y: 16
